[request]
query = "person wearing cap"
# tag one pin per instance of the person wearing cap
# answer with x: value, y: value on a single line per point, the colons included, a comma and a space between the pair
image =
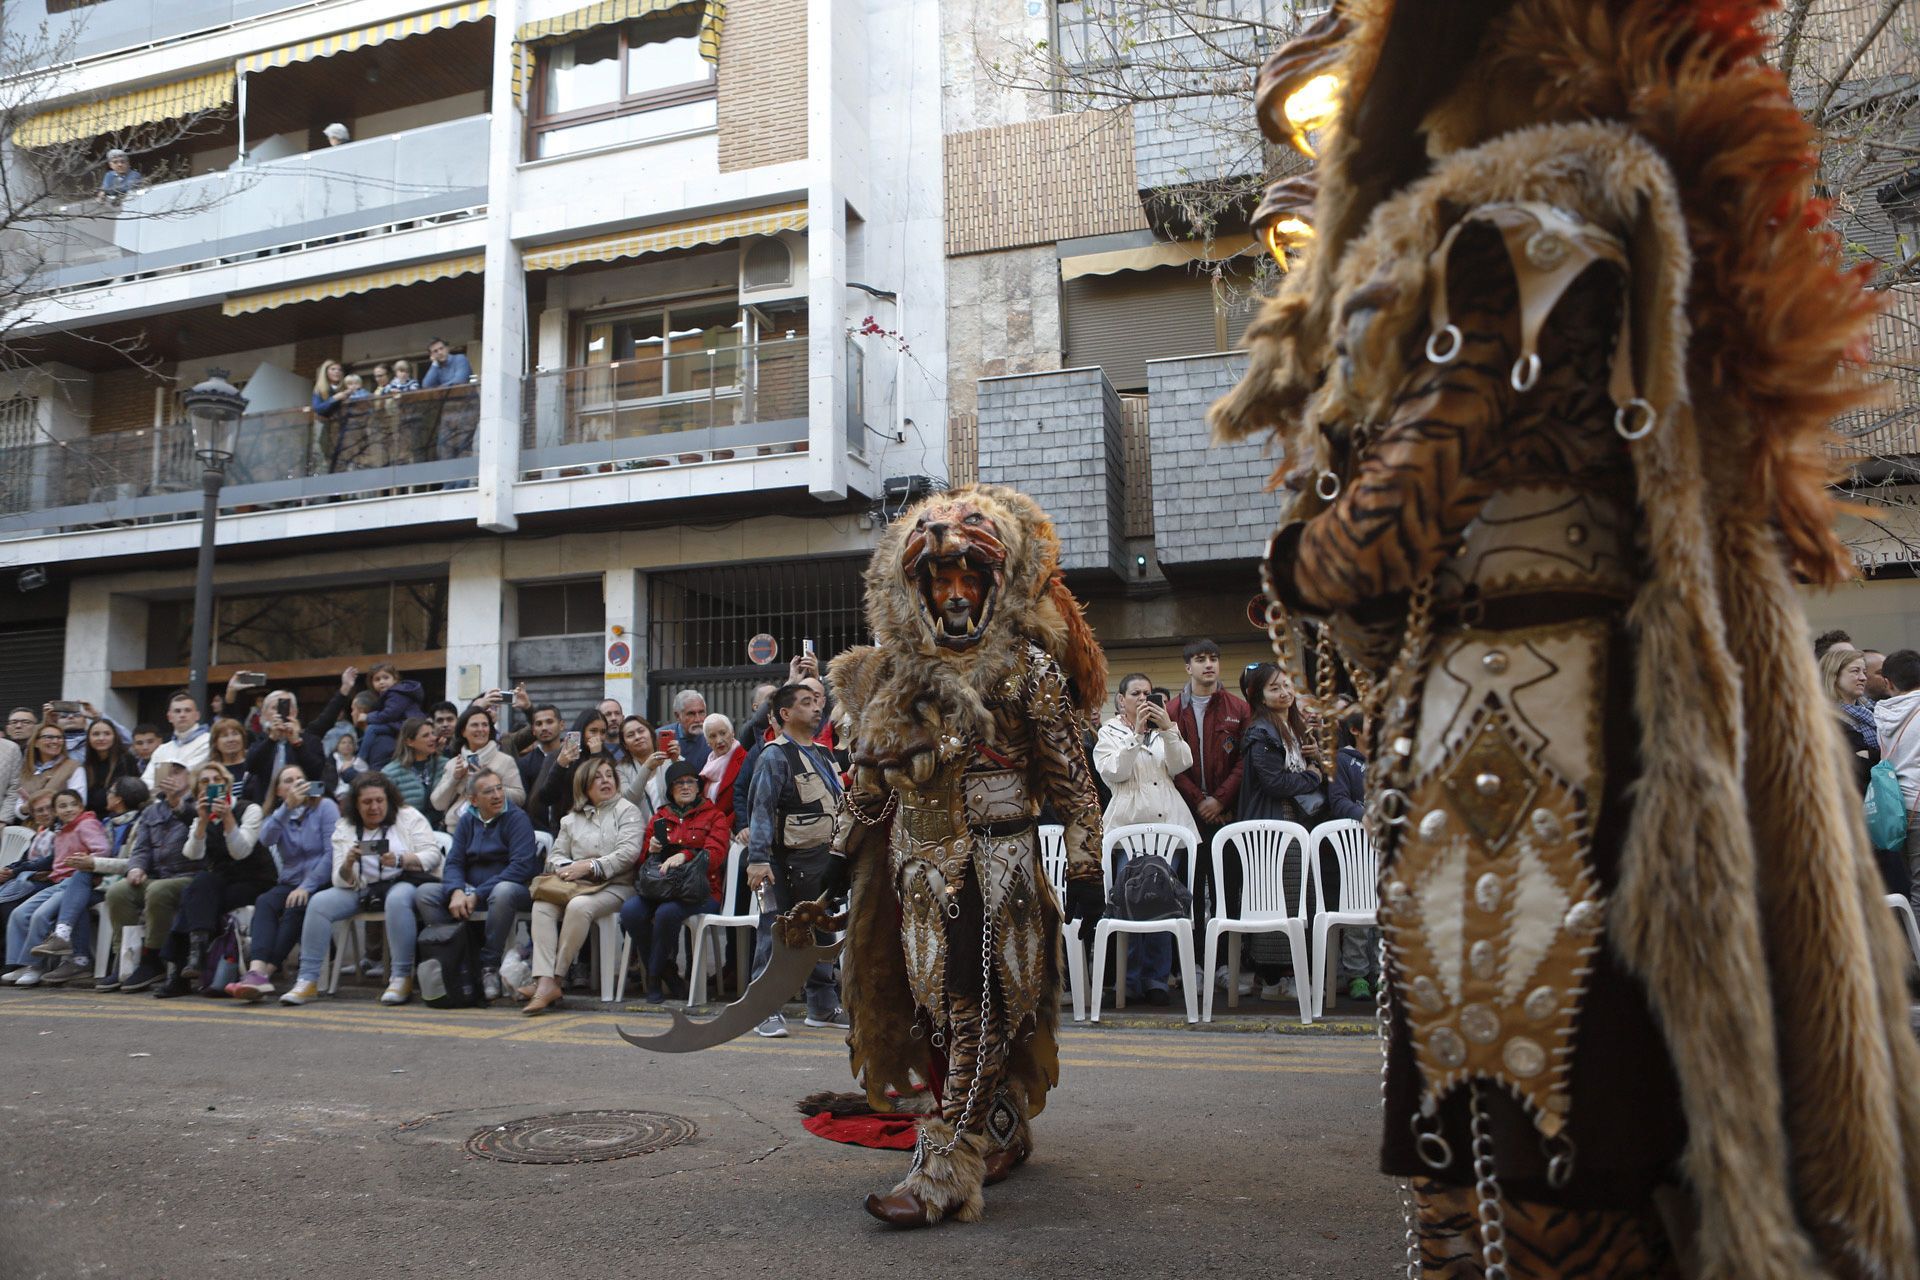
x: 336, y: 134
x: 120, y: 178
x: 688, y: 824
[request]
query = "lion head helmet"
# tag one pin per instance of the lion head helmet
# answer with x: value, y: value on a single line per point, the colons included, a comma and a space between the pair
x: 972, y: 575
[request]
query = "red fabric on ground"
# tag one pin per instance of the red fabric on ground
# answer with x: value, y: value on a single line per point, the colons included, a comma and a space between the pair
x: 888, y: 1133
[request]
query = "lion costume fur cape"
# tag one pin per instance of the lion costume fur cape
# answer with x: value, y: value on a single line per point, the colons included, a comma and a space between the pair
x: 897, y: 697
x: 1748, y: 904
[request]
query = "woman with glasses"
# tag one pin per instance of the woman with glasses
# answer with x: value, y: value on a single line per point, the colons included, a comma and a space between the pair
x: 46, y: 768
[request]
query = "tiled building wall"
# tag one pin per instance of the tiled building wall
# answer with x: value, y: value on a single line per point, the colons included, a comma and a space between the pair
x: 763, y: 84
x: 1058, y: 438
x: 1041, y: 181
x: 1210, y: 502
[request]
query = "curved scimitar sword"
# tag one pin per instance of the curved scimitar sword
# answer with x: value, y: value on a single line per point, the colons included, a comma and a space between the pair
x: 785, y: 974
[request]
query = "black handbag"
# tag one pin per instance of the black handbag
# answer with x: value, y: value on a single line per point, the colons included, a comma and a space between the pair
x: 686, y: 883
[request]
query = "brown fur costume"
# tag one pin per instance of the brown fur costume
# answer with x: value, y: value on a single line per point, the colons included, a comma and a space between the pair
x: 923, y: 714
x: 1747, y: 904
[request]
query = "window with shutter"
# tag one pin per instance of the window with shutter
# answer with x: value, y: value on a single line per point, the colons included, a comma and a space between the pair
x: 1121, y: 321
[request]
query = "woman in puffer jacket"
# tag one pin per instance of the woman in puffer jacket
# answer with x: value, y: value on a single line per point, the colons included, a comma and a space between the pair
x: 476, y: 752
x: 687, y: 825
x: 598, y: 847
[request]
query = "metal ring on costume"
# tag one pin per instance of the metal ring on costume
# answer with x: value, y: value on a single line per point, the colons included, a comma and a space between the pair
x: 1451, y: 332
x: 1399, y: 806
x: 1327, y: 486
x: 1434, y: 1150
x: 1624, y: 415
x: 1526, y: 372
x: 1560, y: 1170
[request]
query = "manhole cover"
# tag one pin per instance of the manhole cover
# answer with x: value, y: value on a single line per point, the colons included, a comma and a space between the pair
x: 580, y: 1137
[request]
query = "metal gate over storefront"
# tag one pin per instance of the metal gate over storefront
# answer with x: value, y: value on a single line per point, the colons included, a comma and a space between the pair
x: 701, y: 621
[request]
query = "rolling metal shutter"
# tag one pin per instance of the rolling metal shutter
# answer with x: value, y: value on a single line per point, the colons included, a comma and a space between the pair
x: 1121, y: 321
x: 33, y: 661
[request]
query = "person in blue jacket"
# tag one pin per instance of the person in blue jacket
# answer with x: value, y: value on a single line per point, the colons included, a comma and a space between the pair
x: 489, y: 869
x: 446, y: 368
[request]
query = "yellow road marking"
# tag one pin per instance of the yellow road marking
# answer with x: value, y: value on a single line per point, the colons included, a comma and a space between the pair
x: 580, y: 1031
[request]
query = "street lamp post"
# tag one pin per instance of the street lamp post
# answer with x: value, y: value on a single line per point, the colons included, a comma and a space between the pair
x: 215, y: 408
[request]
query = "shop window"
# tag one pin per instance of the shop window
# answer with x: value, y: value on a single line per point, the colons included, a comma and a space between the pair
x: 622, y: 84
x: 572, y: 608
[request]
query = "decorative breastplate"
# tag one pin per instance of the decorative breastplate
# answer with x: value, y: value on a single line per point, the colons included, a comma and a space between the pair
x: 1540, y: 538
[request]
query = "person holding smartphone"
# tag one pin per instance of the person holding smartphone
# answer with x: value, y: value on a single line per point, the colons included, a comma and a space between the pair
x: 235, y: 869
x: 299, y: 828
x: 382, y: 851
x: 1138, y: 754
x: 475, y: 752
x: 283, y: 741
x: 586, y: 740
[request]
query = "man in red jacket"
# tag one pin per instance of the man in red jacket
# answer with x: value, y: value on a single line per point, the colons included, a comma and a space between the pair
x: 1210, y: 720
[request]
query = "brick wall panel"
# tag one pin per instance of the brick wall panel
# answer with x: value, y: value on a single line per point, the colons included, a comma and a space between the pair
x: 763, y: 84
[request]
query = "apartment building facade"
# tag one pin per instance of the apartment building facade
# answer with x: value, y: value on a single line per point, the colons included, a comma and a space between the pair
x: 688, y: 249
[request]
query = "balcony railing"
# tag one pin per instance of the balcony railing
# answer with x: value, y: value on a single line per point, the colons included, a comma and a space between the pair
x: 336, y: 191
x: 128, y: 24
x: 655, y: 410
x: 288, y: 456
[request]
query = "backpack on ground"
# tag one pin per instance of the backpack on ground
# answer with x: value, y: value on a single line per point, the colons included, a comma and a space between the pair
x: 222, y: 964
x: 1147, y: 889
x: 448, y: 971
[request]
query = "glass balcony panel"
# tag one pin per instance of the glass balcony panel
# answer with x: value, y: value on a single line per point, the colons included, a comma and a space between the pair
x: 286, y: 457
x: 720, y: 401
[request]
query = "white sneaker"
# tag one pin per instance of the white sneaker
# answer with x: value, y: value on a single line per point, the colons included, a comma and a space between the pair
x: 12, y: 975
x: 1281, y: 990
x: 773, y: 1027
x: 1246, y: 984
x: 1220, y: 977
x: 301, y: 992
x: 399, y: 991
x: 27, y: 977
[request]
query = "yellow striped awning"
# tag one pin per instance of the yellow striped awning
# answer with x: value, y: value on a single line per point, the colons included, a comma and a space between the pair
x: 381, y: 32
x: 1170, y: 253
x: 142, y: 106
x: 672, y: 235
x: 247, y: 303
x: 603, y: 14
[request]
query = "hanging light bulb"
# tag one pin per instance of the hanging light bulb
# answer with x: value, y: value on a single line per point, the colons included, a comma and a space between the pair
x: 1312, y: 106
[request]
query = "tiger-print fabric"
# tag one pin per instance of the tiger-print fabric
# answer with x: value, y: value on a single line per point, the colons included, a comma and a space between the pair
x: 1459, y: 432
x: 1544, y: 1242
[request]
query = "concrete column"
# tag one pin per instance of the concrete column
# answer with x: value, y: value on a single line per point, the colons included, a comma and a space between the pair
x: 503, y: 308
x: 106, y: 632
x: 476, y: 615
x: 626, y: 604
x: 826, y: 269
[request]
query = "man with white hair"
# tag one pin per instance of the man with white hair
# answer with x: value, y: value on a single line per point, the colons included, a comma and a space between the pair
x: 337, y: 135
x: 690, y: 711
x: 120, y: 178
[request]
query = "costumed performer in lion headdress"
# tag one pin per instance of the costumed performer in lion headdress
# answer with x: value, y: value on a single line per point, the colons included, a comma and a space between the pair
x: 964, y: 717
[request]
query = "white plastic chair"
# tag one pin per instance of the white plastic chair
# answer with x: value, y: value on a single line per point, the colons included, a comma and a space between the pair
x: 13, y: 843
x: 1053, y: 861
x: 102, y: 938
x: 1264, y: 848
x: 1904, y: 909
x: 1168, y: 842
x: 1359, y: 905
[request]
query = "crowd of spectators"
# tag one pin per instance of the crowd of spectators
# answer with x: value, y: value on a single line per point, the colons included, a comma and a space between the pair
x: 1875, y: 697
x: 379, y: 802
x: 1205, y: 758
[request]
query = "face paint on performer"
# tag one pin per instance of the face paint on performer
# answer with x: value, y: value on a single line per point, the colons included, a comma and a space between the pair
x: 959, y: 592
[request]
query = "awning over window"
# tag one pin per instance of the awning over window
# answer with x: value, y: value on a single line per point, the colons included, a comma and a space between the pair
x: 347, y: 41
x: 142, y: 106
x: 1166, y: 254
x: 604, y: 14
x: 672, y: 235
x: 247, y: 303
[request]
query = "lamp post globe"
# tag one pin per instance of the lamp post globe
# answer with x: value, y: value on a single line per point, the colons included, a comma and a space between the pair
x: 215, y: 408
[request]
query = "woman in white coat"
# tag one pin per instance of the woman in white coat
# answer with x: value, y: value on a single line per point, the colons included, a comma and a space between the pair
x: 382, y: 851
x: 598, y: 849
x: 1138, y: 754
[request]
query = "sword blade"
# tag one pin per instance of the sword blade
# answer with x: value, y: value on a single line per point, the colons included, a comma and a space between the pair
x: 784, y: 975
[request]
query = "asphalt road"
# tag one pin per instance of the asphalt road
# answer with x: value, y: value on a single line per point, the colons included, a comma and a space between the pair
x: 193, y: 1138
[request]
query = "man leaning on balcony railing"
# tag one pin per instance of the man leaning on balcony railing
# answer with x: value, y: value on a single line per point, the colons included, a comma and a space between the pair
x: 447, y: 368
x: 120, y: 179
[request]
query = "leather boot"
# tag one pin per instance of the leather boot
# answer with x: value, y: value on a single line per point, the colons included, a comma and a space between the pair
x: 901, y: 1209
x: 196, y: 954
